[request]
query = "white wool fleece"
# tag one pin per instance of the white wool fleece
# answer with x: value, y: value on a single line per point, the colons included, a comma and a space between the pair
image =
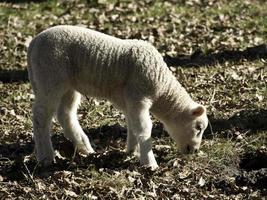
x: 66, y: 61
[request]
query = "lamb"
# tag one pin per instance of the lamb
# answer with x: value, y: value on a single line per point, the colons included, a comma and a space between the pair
x: 67, y: 61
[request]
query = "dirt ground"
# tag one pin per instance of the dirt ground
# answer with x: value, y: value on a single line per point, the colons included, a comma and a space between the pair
x: 232, y: 162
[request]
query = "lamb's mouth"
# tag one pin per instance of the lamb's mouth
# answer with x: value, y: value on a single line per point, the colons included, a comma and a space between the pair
x: 188, y: 149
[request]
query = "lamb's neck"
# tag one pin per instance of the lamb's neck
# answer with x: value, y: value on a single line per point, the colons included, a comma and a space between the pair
x: 173, y: 99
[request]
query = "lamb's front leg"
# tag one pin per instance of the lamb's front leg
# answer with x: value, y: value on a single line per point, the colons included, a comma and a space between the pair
x: 141, y: 126
x: 132, y: 142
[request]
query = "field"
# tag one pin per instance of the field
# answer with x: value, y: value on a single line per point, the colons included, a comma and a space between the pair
x: 232, y: 163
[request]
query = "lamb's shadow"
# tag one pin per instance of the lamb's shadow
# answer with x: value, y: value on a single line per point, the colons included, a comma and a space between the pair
x: 12, y: 157
x: 109, y: 142
x: 249, y: 121
x: 17, y: 159
x: 14, y: 75
x: 199, y: 58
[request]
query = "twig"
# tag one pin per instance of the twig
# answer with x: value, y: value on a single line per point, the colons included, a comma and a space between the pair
x: 28, y: 172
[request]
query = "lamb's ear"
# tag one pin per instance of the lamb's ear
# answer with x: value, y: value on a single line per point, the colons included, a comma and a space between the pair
x: 197, y: 111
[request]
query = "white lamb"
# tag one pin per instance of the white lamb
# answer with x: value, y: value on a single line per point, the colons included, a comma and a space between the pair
x: 67, y: 61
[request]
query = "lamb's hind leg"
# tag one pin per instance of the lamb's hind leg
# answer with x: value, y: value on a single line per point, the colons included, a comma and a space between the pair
x: 67, y: 117
x: 43, y: 110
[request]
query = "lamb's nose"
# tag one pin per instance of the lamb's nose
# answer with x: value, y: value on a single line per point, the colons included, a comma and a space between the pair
x: 190, y: 149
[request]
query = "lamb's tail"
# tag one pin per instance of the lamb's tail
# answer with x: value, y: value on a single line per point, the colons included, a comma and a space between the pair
x: 29, y: 61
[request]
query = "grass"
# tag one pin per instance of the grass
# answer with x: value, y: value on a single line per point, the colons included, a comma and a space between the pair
x: 234, y: 93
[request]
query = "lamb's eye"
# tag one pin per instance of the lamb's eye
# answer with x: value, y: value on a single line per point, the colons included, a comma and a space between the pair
x: 199, y: 129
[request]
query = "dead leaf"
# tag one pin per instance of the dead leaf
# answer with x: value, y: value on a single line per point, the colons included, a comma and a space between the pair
x: 201, y: 182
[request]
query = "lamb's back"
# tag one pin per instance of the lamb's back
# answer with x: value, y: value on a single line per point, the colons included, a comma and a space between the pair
x: 90, y: 58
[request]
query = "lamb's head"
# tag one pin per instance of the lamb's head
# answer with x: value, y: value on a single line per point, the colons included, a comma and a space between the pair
x: 187, y: 128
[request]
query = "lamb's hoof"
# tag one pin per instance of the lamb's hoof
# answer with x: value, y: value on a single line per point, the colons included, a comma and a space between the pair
x: 150, y: 167
x: 83, y: 150
x: 83, y: 146
x: 46, y: 161
x: 133, y: 150
x: 153, y: 167
x: 135, y: 153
